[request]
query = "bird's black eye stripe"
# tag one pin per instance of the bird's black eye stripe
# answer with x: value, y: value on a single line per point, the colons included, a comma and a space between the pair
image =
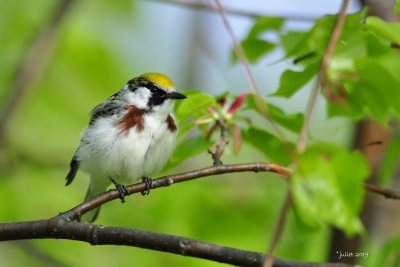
x: 154, y: 89
x: 158, y: 96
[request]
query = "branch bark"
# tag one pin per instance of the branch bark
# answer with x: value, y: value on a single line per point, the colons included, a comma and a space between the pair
x: 59, y: 228
x: 193, y: 4
x: 241, y: 55
x: 244, y: 63
x: 337, y: 30
x: 76, y: 212
x: 269, y: 260
x: 218, y: 148
x: 65, y: 225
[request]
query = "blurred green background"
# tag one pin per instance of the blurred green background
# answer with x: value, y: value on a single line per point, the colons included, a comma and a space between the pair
x: 98, y: 47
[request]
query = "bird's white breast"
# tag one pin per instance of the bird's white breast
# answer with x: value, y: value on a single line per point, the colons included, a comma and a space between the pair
x: 108, y: 152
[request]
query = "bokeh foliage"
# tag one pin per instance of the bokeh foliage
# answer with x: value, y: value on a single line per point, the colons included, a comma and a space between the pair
x: 97, y: 51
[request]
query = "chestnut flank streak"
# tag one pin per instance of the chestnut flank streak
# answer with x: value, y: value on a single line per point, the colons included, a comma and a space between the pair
x: 171, y: 123
x: 134, y: 117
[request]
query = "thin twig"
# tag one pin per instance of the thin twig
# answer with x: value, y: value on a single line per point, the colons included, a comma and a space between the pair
x: 302, y: 141
x: 386, y: 192
x: 269, y: 260
x: 235, y: 11
x: 33, y: 65
x: 218, y: 148
x: 370, y: 144
x: 244, y: 63
x: 238, y: 49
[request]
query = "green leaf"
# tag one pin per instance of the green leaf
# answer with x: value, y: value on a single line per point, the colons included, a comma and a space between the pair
x: 389, y: 30
x: 184, y: 129
x: 352, y: 41
x: 270, y: 146
x: 188, y: 149
x: 254, y: 45
x: 255, y: 48
x: 262, y: 24
x: 294, y: 43
x: 352, y: 108
x: 324, y: 189
x: 316, y: 40
x: 376, y: 46
x: 375, y: 89
x: 292, y: 122
x: 371, y: 91
x: 195, y: 103
x: 292, y: 81
x: 391, y: 63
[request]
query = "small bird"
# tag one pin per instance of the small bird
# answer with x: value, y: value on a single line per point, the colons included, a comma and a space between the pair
x: 131, y: 135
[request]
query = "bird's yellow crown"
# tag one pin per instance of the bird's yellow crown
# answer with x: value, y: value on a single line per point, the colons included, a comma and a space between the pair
x: 160, y: 80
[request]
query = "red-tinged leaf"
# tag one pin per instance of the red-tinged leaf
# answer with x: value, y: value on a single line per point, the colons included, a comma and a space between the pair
x: 213, y: 111
x: 221, y: 101
x: 237, y: 138
x: 237, y: 103
x: 335, y: 92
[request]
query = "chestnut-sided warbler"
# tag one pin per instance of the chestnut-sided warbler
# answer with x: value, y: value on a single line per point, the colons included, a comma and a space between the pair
x: 131, y: 135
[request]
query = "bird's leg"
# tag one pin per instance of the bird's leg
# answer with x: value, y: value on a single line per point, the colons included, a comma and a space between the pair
x: 149, y: 184
x: 121, y: 189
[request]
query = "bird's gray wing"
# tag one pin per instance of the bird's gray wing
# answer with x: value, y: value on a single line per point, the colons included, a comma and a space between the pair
x: 107, y: 108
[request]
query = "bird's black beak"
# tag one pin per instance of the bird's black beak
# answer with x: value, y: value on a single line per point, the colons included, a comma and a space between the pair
x: 175, y: 95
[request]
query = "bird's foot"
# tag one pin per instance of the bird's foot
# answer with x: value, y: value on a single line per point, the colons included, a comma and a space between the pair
x: 121, y: 190
x: 149, y: 185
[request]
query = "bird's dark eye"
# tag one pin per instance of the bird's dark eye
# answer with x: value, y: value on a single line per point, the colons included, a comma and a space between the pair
x: 153, y: 89
x: 158, y: 96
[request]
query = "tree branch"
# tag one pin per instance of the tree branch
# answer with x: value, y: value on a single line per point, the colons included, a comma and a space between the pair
x: 269, y: 260
x: 58, y: 228
x: 386, y: 192
x: 234, y: 11
x: 218, y: 148
x: 241, y: 55
x: 244, y: 63
x: 337, y: 30
x: 76, y: 212
x: 64, y: 226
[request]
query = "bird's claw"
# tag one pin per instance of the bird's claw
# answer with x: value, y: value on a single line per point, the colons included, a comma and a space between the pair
x: 121, y: 190
x: 149, y: 185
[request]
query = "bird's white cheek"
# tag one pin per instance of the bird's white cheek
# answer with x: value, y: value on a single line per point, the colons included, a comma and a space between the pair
x: 139, y: 98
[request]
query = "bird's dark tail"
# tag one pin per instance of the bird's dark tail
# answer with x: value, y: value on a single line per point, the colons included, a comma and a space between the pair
x: 74, y: 166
